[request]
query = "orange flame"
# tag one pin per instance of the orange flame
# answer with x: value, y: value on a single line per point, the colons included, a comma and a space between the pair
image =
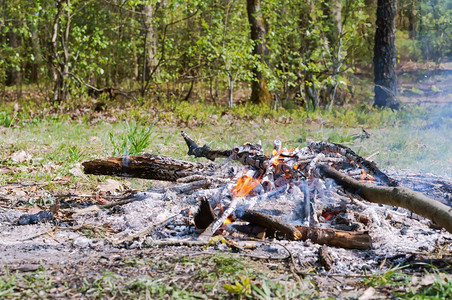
x: 363, y: 175
x: 227, y: 221
x: 245, y: 184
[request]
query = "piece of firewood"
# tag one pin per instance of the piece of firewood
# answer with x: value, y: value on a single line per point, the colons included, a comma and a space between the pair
x: 270, y: 222
x: 147, y: 166
x: 248, y: 154
x: 336, y: 238
x: 205, y: 214
x: 416, y: 202
x: 218, y: 222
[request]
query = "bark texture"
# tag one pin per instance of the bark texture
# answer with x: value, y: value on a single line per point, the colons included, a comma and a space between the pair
x: 385, y: 55
x: 259, y: 91
x: 431, y: 209
x: 146, y: 166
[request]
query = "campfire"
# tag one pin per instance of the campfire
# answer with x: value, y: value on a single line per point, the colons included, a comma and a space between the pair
x: 321, y: 205
x: 313, y: 193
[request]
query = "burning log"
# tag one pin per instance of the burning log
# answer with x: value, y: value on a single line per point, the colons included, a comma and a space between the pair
x: 146, y: 166
x: 431, y: 209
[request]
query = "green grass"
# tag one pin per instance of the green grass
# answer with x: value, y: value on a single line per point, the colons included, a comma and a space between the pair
x: 416, y: 138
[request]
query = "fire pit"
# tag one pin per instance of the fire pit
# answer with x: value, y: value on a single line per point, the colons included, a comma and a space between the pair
x: 295, y: 194
x: 305, y: 205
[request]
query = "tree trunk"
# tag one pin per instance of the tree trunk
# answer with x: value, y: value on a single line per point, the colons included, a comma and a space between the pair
x: 60, y: 39
x: 151, y: 60
x: 12, y: 75
x: 385, y: 55
x: 259, y: 91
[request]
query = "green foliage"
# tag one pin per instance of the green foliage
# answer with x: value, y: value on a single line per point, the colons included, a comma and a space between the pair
x: 241, y: 287
x: 133, y: 141
x: 441, y: 288
x: 393, y: 276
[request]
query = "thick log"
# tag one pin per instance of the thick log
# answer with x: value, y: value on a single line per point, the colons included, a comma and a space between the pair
x: 336, y: 238
x: 431, y: 209
x: 146, y: 166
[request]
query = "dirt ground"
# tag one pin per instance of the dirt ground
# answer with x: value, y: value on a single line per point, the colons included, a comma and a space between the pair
x: 111, y: 252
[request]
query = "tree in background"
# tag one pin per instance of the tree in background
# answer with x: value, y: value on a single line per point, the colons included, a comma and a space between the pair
x: 385, y: 55
x: 259, y: 91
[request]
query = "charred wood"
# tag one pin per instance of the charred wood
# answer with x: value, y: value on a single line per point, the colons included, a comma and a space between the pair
x: 204, y: 151
x: 272, y: 223
x: 248, y: 154
x: 205, y: 215
x: 431, y: 209
x: 368, y: 166
x: 147, y: 166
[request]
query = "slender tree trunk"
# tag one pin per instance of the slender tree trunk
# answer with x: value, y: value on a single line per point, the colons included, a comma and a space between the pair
x: 151, y: 60
x: 385, y: 55
x: 259, y: 91
x: 61, y: 51
x: 12, y: 75
x: 35, y: 72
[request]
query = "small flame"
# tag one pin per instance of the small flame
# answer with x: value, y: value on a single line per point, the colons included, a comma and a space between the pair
x: 245, y: 184
x: 363, y: 175
x: 227, y: 221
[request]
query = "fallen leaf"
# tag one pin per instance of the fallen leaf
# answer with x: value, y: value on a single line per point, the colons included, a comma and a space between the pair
x: 94, y: 139
x: 368, y: 294
x: 18, y: 192
x: 110, y: 186
x: 33, y: 210
x: 20, y: 156
x: 76, y: 171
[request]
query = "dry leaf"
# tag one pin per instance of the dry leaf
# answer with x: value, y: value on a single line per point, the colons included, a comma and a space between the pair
x: 368, y: 294
x: 110, y: 186
x: 33, y: 210
x: 94, y: 139
x: 20, y: 156
x: 76, y: 171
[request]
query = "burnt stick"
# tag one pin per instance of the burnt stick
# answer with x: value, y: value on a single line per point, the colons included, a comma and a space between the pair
x: 247, y: 154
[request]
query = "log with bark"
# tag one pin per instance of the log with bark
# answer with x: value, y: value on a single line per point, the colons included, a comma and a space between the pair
x: 147, y: 166
x: 415, y: 202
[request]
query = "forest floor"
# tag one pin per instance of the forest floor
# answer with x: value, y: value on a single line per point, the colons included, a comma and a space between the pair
x: 41, y: 154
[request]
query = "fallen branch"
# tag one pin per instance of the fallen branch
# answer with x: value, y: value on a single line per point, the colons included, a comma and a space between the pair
x: 431, y: 209
x: 146, y: 166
